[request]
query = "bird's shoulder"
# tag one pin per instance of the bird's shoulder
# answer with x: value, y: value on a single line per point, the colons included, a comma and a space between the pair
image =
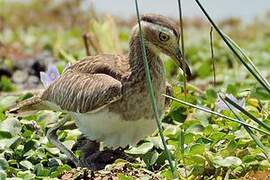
x: 115, y: 66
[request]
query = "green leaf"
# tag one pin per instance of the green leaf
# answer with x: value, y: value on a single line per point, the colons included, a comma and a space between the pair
x: 8, y: 101
x: 194, y: 159
x: 53, y: 150
x: 5, y: 134
x: 150, y: 158
x: 27, y: 164
x: 124, y: 177
x: 197, y: 149
x: 11, y: 125
x: 8, y: 143
x: 41, y: 171
x: 156, y: 142
x: 204, y: 70
x: 141, y: 149
x: 232, y: 89
x: 3, y: 164
x: 228, y: 161
x: 60, y: 170
x: 28, y: 145
x: 6, y: 84
x: 260, y: 93
x: 189, y: 138
x: 3, y: 174
x: 26, y: 175
x: 216, y: 136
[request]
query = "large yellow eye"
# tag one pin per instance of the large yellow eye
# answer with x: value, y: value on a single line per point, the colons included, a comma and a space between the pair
x: 163, y: 37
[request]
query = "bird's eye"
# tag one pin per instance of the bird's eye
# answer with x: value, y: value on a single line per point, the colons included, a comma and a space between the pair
x: 163, y: 37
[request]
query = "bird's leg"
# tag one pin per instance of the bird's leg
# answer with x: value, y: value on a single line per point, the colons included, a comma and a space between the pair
x: 100, y: 159
x: 52, y: 137
x: 169, y: 92
x: 86, y: 146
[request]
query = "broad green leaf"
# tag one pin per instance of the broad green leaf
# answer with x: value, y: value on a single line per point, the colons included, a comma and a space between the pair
x: 11, y: 125
x: 3, y: 164
x: 260, y: 93
x: 194, y: 159
x: 141, y: 149
x: 8, y: 101
x: 41, y: 171
x: 228, y: 161
x: 124, y: 177
x: 156, y: 142
x: 197, y: 149
x: 5, y: 134
x: 27, y: 164
x: 150, y: 157
x: 26, y: 175
x: 3, y: 174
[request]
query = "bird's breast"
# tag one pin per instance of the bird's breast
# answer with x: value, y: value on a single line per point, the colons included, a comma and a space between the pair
x: 110, y: 128
x: 136, y: 103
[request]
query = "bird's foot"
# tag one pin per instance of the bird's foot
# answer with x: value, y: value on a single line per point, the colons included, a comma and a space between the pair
x: 85, y: 146
x: 120, y: 153
x: 92, y: 158
x: 100, y: 159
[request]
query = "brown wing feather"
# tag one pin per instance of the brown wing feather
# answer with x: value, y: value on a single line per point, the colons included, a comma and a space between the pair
x: 85, y: 86
x: 82, y: 92
x: 113, y: 65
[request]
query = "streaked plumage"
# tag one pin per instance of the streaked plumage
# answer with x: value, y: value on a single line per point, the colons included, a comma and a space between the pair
x: 107, y: 94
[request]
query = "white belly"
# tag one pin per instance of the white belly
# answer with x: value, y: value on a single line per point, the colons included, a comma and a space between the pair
x: 107, y: 127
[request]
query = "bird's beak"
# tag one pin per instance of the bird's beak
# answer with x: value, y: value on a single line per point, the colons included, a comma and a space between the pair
x: 181, y: 62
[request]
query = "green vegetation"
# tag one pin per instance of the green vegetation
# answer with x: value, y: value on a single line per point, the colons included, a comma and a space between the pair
x: 202, y: 145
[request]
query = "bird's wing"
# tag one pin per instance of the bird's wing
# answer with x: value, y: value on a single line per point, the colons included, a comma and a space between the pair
x: 83, y: 92
x: 113, y: 65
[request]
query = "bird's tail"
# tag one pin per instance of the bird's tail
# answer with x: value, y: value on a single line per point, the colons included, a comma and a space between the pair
x: 28, y: 105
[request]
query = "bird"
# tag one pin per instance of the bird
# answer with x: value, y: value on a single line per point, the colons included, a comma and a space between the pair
x: 106, y: 94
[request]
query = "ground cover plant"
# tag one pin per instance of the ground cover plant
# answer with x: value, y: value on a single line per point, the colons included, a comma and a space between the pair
x: 202, y: 145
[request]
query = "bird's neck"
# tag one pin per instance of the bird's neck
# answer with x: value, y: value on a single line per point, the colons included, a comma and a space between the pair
x: 136, y: 60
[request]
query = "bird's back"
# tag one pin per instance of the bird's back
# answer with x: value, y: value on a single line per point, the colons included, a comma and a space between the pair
x: 115, y: 66
x: 89, y: 84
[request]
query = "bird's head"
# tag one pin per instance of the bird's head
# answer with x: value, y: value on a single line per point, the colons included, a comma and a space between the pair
x: 161, y: 34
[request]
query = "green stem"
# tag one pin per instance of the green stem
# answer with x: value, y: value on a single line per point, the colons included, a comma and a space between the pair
x: 250, y: 132
x: 263, y: 124
x: 182, y: 44
x: 217, y: 114
x: 231, y: 47
x: 151, y: 92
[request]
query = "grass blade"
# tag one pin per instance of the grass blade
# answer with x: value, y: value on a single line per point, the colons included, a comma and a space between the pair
x: 216, y: 113
x: 250, y: 132
x: 86, y: 44
x: 182, y: 43
x: 212, y: 55
x: 231, y: 47
x: 261, y: 123
x: 151, y: 92
x: 247, y: 58
x: 182, y: 149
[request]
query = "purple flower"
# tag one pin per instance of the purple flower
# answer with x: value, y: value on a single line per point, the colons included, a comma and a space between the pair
x: 49, y: 76
x: 35, y: 126
x: 221, y: 106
